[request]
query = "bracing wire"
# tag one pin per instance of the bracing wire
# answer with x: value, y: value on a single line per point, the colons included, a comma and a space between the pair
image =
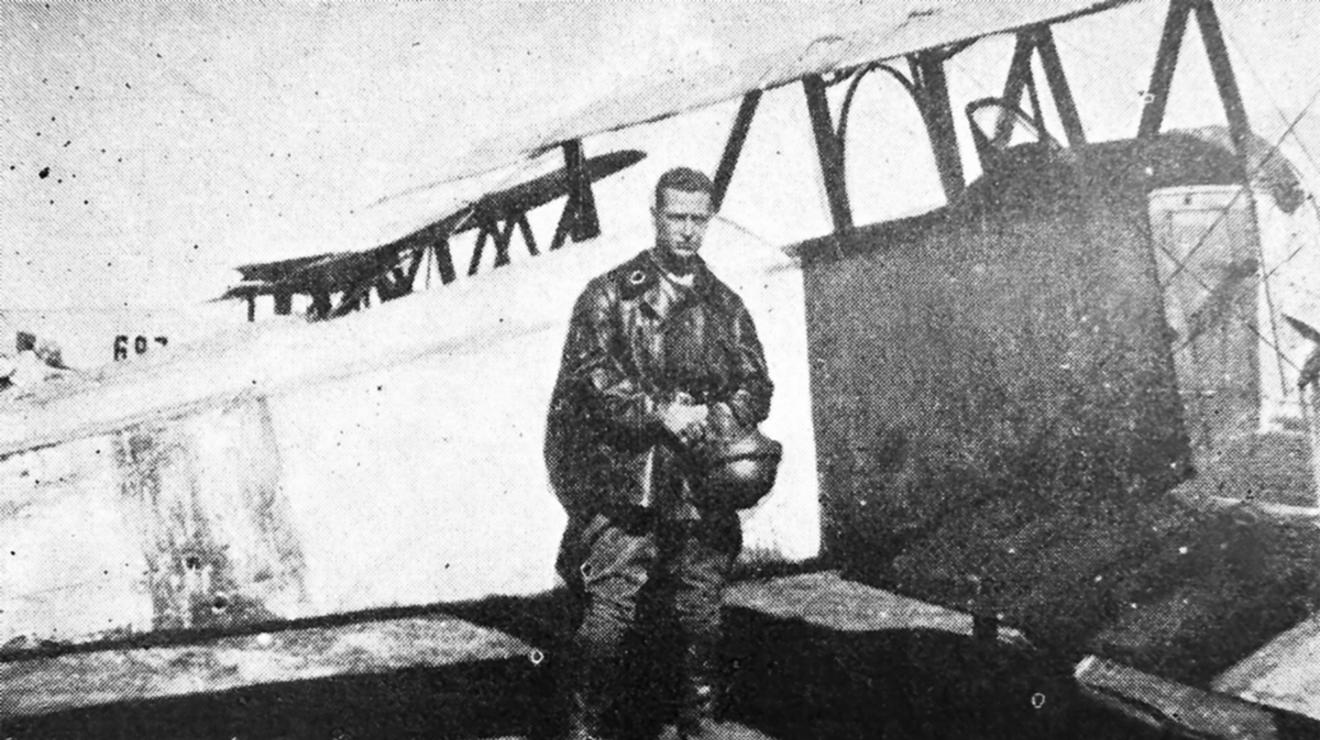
x: 1310, y: 197
x: 1251, y: 174
x: 1184, y: 263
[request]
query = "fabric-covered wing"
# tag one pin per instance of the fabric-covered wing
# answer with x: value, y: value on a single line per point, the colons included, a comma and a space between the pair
x: 714, y: 52
x: 322, y: 128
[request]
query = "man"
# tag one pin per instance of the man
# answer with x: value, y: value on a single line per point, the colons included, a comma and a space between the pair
x: 659, y: 352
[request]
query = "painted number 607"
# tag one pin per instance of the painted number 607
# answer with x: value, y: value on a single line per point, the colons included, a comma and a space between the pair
x: 140, y: 345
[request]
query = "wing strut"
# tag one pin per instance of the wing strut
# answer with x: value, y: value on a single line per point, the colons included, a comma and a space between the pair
x: 1226, y: 81
x: 1030, y: 41
x: 1166, y: 61
x: 1058, y: 82
x: 928, y: 88
x: 932, y: 93
x: 829, y: 152
x: 502, y: 236
x: 1161, y: 77
x: 733, y: 147
x: 444, y: 262
x: 1019, y: 71
x: 579, y: 219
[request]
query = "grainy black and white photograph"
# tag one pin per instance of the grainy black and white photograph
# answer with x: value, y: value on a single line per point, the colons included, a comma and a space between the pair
x: 660, y: 370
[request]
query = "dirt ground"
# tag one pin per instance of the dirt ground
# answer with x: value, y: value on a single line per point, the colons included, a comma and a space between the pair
x: 505, y: 702
x: 786, y: 678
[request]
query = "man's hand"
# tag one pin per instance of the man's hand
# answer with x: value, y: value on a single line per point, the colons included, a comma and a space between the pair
x: 686, y: 421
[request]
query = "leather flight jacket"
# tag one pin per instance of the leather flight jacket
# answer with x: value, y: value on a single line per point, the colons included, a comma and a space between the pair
x: 638, y: 339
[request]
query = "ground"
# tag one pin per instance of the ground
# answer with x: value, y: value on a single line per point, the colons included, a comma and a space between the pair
x: 502, y: 700
x: 798, y: 668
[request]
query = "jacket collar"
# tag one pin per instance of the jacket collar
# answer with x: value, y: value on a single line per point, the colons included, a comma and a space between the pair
x: 661, y: 292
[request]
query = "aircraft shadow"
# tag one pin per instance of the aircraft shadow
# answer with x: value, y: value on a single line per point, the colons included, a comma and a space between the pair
x: 787, y: 680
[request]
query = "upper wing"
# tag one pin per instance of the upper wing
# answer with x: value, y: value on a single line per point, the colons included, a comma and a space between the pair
x: 711, y: 52
x: 292, y: 129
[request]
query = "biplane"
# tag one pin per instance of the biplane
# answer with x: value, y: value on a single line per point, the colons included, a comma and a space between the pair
x: 1062, y: 406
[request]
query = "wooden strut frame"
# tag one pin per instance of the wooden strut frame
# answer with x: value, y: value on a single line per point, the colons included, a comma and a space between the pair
x: 341, y: 284
x: 502, y: 235
x: 1039, y: 40
x: 829, y: 152
x: 1166, y: 62
x: 929, y: 90
x: 579, y: 219
x: 733, y: 147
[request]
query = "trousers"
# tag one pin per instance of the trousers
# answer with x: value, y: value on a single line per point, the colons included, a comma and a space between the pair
x: 608, y: 560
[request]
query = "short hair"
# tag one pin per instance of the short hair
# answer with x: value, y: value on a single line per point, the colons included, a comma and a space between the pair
x: 685, y: 179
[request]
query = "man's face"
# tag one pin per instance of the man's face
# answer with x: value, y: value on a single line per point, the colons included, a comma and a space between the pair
x: 680, y: 221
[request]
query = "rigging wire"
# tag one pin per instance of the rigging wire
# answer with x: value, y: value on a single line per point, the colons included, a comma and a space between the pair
x: 1279, y: 359
x: 1260, y: 81
x: 1185, y: 262
x: 1251, y: 174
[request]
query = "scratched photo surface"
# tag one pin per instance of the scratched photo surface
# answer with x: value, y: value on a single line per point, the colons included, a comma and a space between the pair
x: 286, y: 291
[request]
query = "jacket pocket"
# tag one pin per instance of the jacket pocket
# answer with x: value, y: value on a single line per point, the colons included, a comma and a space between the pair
x: 612, y: 553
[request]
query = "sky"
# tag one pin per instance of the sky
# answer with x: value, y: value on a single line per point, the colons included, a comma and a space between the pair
x: 146, y: 150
